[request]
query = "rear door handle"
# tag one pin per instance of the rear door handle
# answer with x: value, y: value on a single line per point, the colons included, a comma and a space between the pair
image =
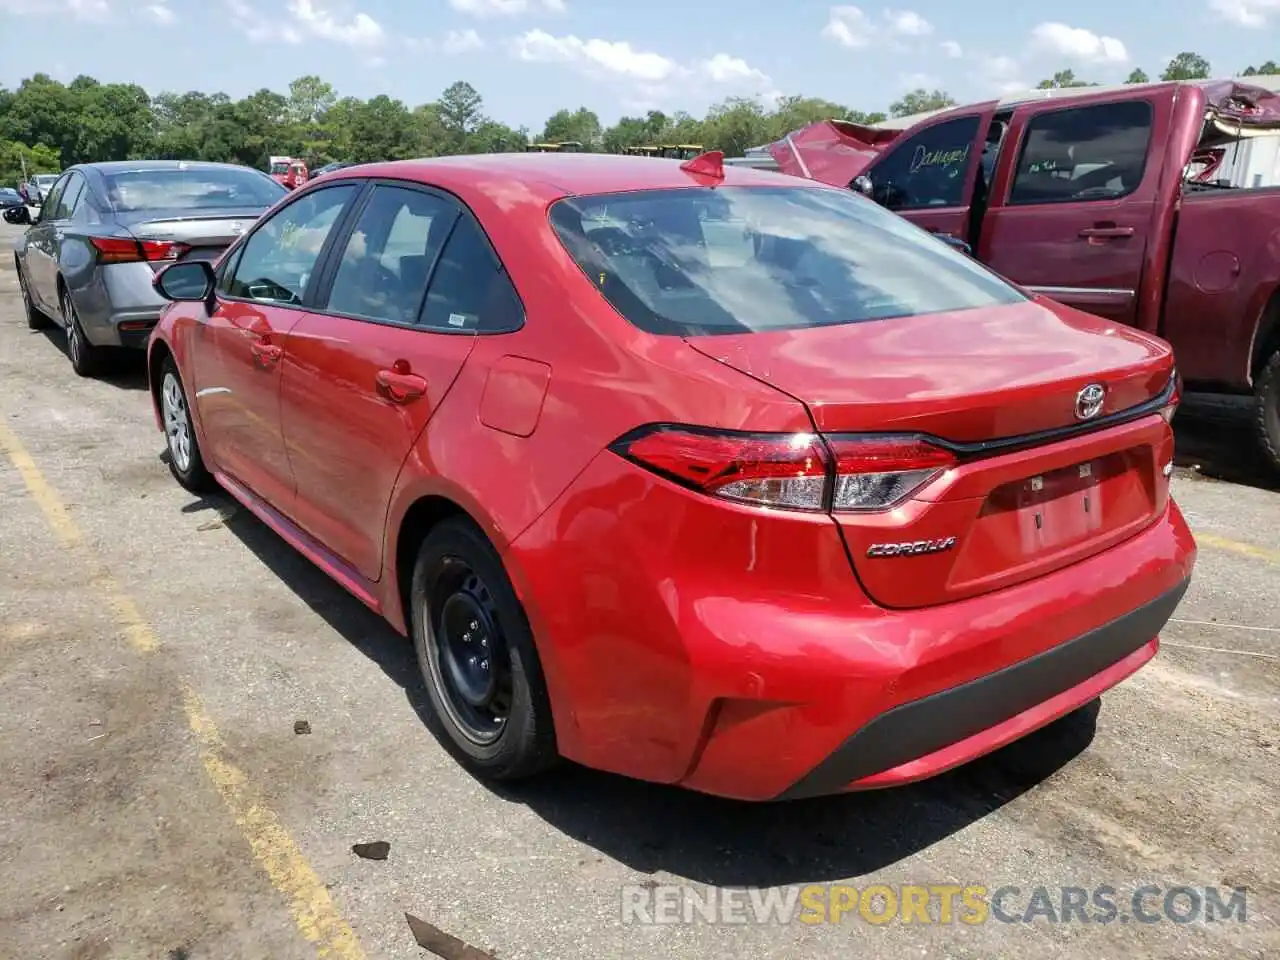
x: 400, y: 387
x: 267, y: 352
x: 1106, y: 232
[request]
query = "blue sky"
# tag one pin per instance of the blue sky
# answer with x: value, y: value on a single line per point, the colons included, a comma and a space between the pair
x: 529, y: 58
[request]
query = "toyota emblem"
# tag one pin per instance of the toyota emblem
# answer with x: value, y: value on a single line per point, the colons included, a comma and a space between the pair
x: 1089, y: 401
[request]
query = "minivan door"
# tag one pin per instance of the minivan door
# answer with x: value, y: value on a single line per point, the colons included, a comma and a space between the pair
x: 1074, y: 213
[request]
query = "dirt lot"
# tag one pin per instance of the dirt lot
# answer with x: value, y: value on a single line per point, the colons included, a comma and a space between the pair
x: 156, y: 652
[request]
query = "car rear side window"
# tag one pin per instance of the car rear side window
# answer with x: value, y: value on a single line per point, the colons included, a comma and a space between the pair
x: 71, y: 192
x: 279, y: 258
x: 697, y: 261
x: 927, y: 169
x: 470, y: 291
x: 1096, y: 152
x: 383, y: 272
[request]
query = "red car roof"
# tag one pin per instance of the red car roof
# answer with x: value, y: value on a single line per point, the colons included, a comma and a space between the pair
x: 549, y: 176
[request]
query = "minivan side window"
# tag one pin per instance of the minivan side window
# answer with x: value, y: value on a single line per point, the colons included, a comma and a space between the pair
x: 470, y: 291
x: 928, y: 169
x: 1097, y: 152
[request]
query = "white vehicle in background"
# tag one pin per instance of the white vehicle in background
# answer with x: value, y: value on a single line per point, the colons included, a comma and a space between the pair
x: 38, y: 185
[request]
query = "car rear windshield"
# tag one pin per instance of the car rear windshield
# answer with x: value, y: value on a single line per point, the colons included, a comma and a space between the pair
x: 695, y: 261
x: 190, y: 189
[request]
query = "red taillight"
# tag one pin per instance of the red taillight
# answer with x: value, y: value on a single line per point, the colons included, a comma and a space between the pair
x: 800, y: 471
x: 127, y: 250
x: 872, y: 473
x: 1170, y: 408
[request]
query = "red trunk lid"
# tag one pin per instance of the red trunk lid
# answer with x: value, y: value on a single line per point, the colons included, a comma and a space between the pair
x: 968, y: 378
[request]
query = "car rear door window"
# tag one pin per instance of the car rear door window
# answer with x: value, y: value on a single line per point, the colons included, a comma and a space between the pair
x: 385, y: 264
x: 281, y: 255
x: 927, y: 169
x: 470, y: 291
x: 1097, y: 152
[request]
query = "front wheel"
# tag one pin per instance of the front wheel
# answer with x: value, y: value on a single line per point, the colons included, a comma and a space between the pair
x: 185, y: 461
x: 35, y: 319
x: 476, y: 653
x: 1267, y: 410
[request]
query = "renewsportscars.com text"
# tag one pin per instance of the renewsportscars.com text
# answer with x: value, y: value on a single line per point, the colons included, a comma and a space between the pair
x: 970, y: 904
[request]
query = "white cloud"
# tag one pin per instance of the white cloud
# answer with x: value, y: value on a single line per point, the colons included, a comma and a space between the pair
x: 951, y: 49
x: 644, y: 79
x: 723, y: 68
x: 849, y: 27
x: 461, y: 41
x: 1078, y: 44
x: 159, y: 13
x: 907, y: 23
x: 303, y: 20
x: 1246, y: 13
x: 486, y: 9
x: 852, y: 28
x: 91, y: 10
x: 1003, y: 74
x: 618, y: 58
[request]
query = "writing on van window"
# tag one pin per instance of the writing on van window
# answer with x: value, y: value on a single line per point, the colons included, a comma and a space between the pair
x: 928, y: 168
x: 924, y: 157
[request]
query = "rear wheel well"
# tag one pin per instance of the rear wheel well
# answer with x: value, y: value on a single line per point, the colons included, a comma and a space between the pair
x: 421, y: 517
x: 159, y: 354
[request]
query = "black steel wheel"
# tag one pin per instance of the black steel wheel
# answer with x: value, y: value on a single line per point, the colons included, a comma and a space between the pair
x: 476, y: 653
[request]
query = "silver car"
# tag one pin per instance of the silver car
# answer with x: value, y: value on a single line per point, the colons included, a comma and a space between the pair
x: 88, y: 260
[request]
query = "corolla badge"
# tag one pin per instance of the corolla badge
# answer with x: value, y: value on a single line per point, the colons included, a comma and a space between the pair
x: 911, y: 548
x: 1089, y: 401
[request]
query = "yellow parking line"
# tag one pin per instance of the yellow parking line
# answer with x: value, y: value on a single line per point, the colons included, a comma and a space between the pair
x: 314, y: 912
x: 1235, y: 546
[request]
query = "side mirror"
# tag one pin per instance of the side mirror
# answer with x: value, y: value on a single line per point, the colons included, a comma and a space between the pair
x: 863, y: 185
x: 188, y: 282
x: 956, y: 243
x: 17, y: 215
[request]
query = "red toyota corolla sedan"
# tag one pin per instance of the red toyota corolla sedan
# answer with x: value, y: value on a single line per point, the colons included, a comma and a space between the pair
x: 706, y: 476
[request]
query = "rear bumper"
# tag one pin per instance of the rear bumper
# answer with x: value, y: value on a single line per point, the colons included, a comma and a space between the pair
x: 732, y: 651
x: 119, y: 307
x: 928, y: 735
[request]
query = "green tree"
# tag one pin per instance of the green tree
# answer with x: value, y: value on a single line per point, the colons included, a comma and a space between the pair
x: 17, y: 158
x: 579, y: 126
x: 920, y: 100
x: 1186, y: 66
x: 1061, y: 80
x: 1267, y: 69
x: 1138, y: 76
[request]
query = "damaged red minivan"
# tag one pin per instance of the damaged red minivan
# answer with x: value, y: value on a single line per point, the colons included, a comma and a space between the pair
x: 705, y: 476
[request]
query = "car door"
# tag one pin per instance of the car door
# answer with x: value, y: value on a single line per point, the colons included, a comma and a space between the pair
x: 1077, y: 208
x: 416, y: 282
x: 928, y: 177
x: 239, y: 345
x: 40, y: 260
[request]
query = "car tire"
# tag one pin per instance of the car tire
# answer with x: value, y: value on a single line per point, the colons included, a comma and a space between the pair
x: 35, y: 319
x: 488, y: 701
x: 1266, y: 391
x: 186, y: 463
x: 86, y: 358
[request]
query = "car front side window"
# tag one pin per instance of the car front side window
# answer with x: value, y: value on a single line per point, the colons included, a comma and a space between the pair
x: 383, y: 272
x: 278, y: 260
